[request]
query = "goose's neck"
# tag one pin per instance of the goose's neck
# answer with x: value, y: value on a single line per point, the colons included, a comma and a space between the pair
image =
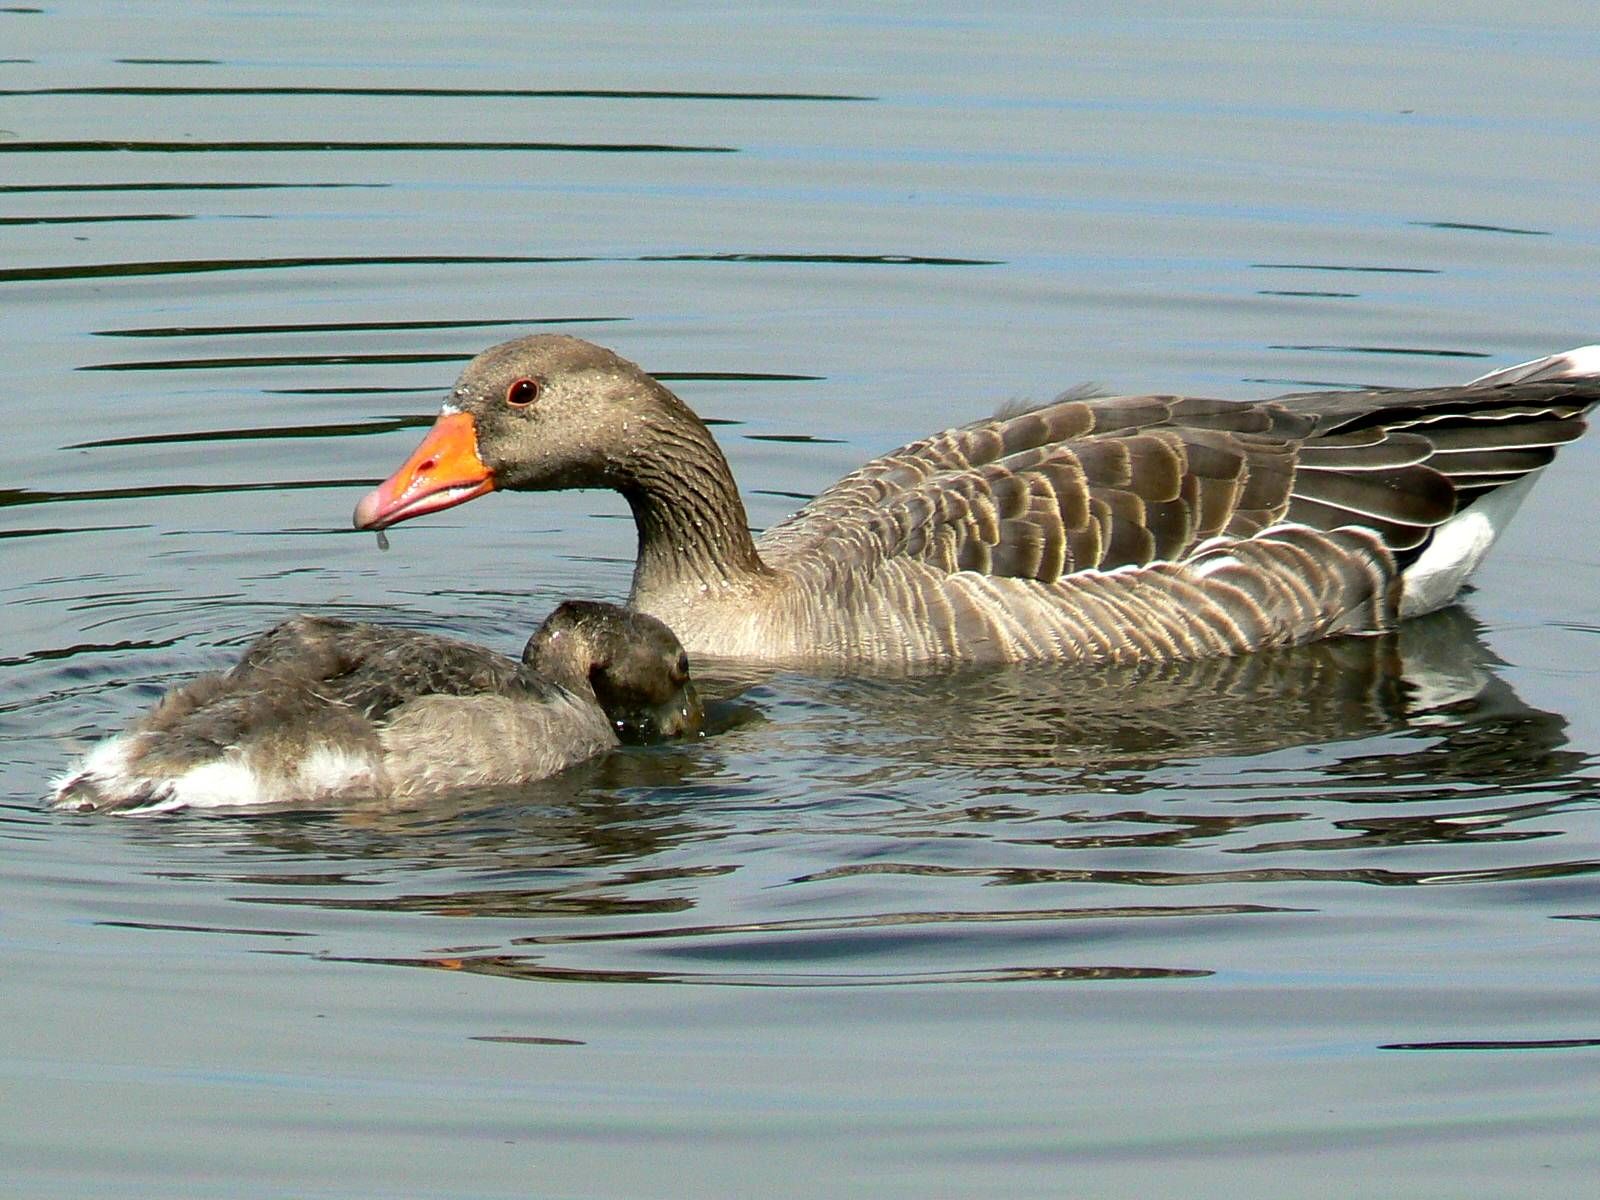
x: 693, y: 531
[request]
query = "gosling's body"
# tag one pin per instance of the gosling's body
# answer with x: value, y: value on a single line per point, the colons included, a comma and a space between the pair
x: 322, y: 711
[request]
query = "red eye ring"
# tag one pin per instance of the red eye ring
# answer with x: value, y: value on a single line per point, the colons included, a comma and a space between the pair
x: 522, y: 392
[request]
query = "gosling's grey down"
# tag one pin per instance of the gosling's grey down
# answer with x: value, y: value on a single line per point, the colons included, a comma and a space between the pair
x: 322, y: 711
x: 1107, y: 530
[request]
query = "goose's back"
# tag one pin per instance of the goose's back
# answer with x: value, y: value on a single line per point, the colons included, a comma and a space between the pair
x: 1125, y: 528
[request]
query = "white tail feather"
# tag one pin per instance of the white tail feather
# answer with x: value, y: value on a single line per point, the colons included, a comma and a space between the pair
x: 1457, y: 547
x: 1578, y: 363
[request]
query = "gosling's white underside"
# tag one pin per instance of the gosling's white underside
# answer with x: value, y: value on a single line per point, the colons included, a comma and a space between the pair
x: 227, y: 782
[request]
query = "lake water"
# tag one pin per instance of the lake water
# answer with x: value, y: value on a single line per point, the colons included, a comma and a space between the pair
x: 1316, y: 924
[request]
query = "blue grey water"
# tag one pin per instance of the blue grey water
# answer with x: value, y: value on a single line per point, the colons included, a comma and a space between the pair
x: 1319, y: 924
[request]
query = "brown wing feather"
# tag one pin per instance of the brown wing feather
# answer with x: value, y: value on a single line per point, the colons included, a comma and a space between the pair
x: 1132, y: 480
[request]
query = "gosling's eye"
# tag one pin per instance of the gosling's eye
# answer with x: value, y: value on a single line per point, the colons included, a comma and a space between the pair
x: 522, y: 393
x: 683, y: 666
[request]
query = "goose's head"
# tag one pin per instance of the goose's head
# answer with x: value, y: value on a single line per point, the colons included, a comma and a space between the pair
x: 536, y: 414
x: 632, y: 662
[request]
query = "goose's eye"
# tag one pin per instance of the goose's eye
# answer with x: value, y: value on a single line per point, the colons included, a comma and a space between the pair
x: 522, y: 393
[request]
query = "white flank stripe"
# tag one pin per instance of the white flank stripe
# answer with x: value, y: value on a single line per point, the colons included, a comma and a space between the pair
x: 328, y: 769
x: 222, y: 784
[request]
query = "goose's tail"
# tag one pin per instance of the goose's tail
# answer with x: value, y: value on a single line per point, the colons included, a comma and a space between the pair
x: 1580, y: 363
x: 1456, y: 547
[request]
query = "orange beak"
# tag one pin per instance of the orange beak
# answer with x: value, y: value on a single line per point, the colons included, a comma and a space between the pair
x: 442, y: 472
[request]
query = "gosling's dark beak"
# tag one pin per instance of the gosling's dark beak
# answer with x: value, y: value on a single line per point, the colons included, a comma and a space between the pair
x: 680, y: 715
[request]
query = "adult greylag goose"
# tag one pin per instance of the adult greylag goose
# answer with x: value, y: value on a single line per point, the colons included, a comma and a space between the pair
x: 1113, y: 529
x: 322, y: 711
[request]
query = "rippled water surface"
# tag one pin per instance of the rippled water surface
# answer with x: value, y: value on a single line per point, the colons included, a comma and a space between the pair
x: 1317, y: 923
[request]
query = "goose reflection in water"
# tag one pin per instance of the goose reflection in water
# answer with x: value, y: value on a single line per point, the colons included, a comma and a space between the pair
x: 1432, y: 678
